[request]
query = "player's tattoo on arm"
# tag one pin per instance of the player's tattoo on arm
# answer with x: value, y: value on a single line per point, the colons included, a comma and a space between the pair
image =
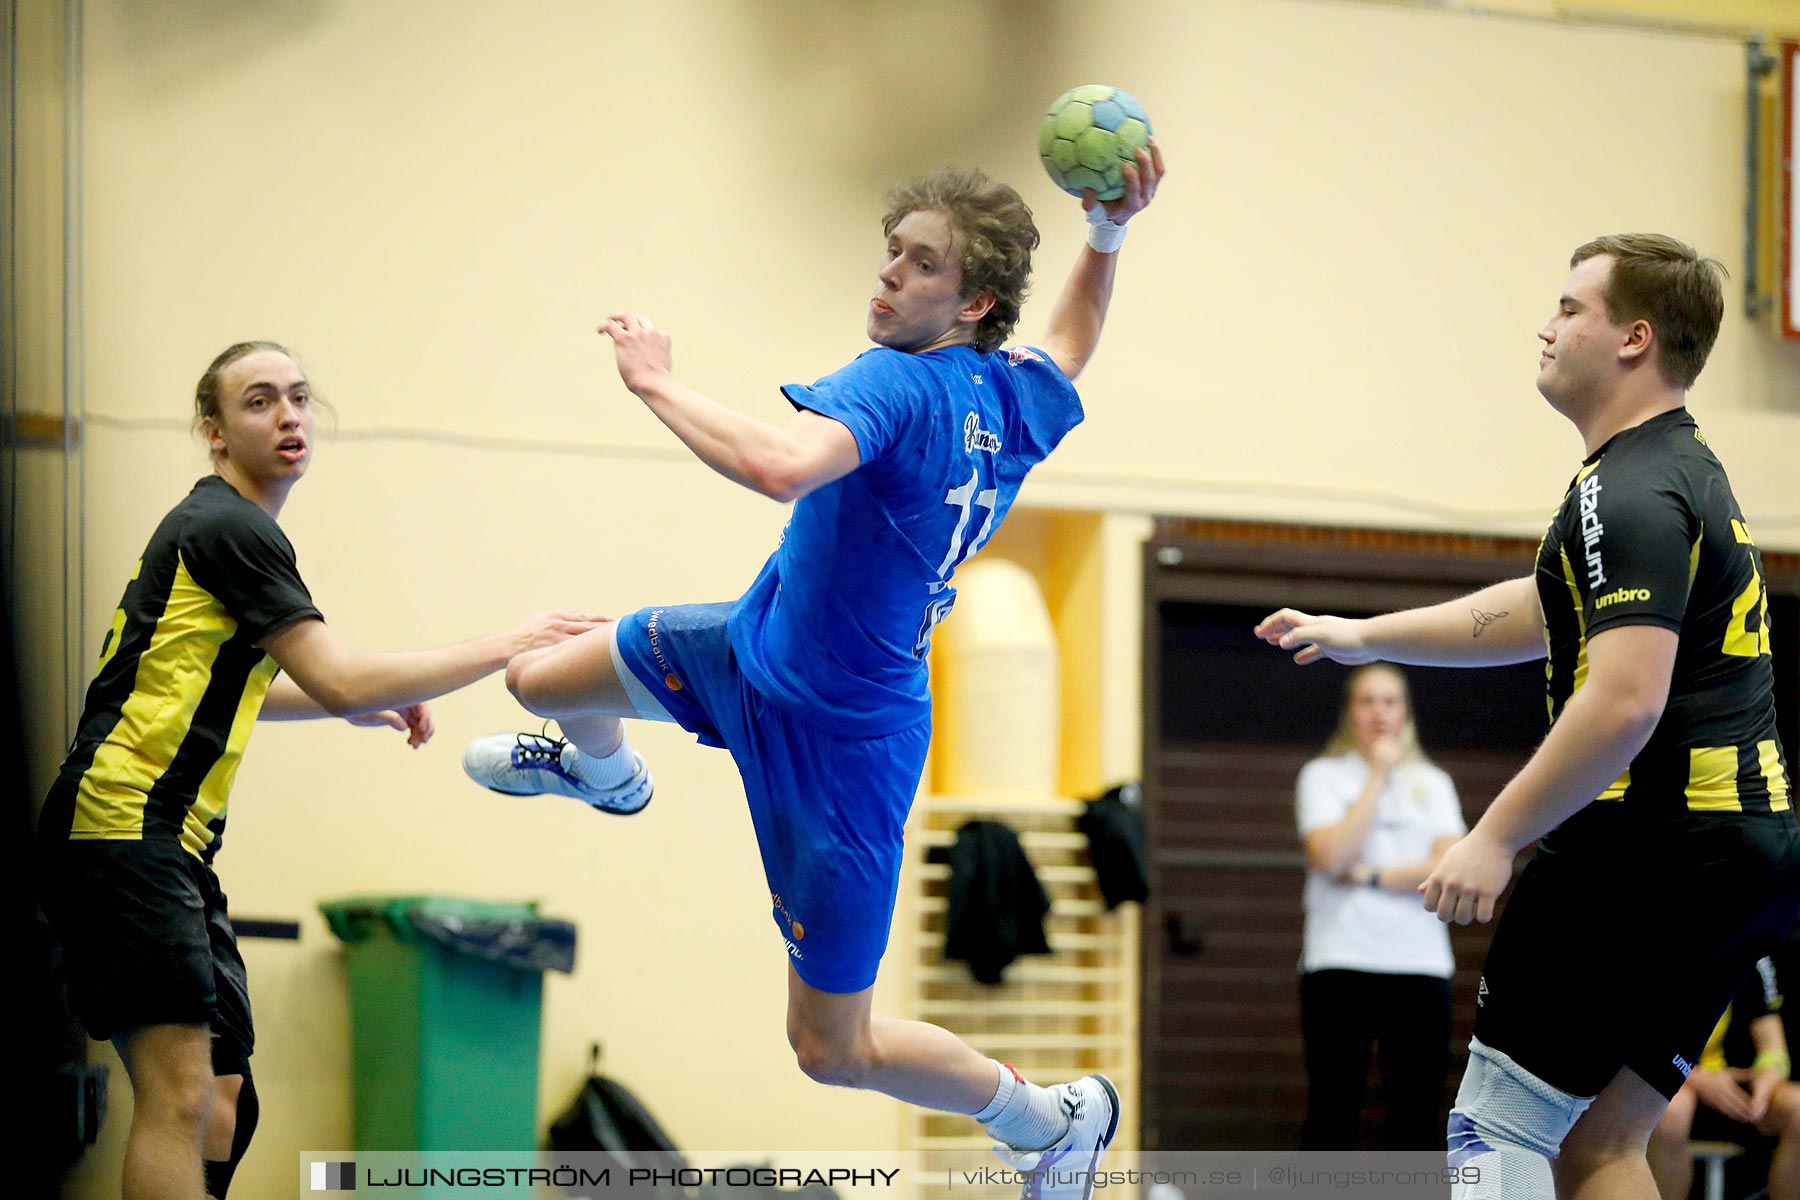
x: 1484, y: 619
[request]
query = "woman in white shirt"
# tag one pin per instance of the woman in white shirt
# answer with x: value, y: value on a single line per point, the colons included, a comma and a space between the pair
x: 1374, y: 817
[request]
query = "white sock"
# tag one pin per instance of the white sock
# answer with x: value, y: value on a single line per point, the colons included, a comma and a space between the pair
x: 1022, y: 1114
x: 606, y: 773
x: 1003, y: 1092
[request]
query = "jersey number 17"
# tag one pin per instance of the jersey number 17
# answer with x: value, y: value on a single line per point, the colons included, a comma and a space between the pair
x: 965, y: 499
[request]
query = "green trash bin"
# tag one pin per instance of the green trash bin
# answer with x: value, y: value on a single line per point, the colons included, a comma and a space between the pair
x: 445, y: 1007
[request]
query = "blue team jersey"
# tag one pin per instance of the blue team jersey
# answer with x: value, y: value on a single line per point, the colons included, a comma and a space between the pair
x: 836, y: 626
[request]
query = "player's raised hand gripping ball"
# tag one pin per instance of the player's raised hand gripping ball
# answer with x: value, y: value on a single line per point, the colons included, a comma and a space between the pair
x: 1088, y: 135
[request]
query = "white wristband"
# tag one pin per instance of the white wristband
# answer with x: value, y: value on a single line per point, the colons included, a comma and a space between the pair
x: 1103, y: 235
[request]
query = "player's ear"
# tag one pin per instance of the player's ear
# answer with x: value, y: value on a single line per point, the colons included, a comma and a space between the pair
x: 976, y: 306
x: 1639, y: 339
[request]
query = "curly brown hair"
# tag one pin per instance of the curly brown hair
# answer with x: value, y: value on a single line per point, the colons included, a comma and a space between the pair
x: 994, y: 237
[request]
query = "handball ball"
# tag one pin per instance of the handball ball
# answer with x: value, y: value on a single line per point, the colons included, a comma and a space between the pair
x: 1088, y: 135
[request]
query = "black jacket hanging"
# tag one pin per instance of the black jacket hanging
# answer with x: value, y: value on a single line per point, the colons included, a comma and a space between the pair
x: 997, y: 905
x: 1115, y: 833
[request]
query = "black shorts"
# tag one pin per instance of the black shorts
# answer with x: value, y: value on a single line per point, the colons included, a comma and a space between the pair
x: 1627, y: 937
x: 145, y: 940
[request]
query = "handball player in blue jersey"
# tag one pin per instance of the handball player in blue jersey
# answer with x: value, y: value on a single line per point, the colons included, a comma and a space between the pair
x: 901, y: 465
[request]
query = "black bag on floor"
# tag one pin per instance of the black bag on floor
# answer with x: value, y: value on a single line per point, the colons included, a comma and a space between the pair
x: 607, y: 1118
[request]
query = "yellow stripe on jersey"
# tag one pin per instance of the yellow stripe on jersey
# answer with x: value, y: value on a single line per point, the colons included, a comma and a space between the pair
x: 1694, y: 557
x: 172, y: 677
x: 215, y: 789
x: 1712, y: 1057
x: 1580, y: 623
x: 1549, y: 650
x: 1616, y: 789
x: 1768, y: 757
x: 1713, y: 779
x: 118, y: 626
x: 1740, y: 640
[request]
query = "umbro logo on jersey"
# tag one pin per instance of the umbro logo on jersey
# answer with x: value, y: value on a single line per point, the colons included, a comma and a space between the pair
x: 1621, y: 596
x: 1683, y: 1065
x: 976, y: 438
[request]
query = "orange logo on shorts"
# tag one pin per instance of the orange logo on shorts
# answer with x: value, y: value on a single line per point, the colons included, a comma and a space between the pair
x: 799, y: 929
x: 672, y: 683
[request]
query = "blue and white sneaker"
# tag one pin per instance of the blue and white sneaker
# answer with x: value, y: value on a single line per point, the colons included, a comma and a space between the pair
x: 536, y: 764
x: 1065, y: 1170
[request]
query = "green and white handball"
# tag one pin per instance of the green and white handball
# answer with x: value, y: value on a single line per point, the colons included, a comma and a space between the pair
x: 1088, y: 135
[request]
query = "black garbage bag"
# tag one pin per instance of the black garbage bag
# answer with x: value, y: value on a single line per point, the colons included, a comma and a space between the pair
x: 514, y: 935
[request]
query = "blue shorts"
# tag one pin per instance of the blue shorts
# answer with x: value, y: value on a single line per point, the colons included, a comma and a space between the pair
x: 829, y: 811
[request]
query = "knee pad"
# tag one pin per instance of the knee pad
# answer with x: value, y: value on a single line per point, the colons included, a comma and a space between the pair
x: 1506, y: 1127
x: 218, y: 1174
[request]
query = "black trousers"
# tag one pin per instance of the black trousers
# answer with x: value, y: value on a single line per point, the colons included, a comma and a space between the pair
x: 1343, y: 1015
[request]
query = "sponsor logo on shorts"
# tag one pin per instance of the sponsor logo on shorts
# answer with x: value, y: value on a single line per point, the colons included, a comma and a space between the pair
x: 671, y: 680
x: 799, y: 930
x: 1622, y: 596
x: 976, y: 438
x: 1591, y: 529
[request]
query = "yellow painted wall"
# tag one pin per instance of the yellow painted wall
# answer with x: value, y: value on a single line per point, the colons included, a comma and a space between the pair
x: 1327, y: 317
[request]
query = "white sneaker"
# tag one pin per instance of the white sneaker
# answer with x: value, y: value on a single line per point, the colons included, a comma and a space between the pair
x: 535, y: 764
x: 1065, y: 1169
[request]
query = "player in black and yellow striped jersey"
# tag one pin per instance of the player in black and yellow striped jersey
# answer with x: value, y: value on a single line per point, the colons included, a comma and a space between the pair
x: 1650, y: 534
x: 1670, y: 857
x: 216, y: 629
x: 182, y: 676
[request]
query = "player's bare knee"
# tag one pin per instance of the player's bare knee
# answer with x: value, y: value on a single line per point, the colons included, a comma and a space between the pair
x: 174, y: 1098
x: 519, y: 681
x: 834, y: 1063
x: 221, y: 1122
x: 171, y: 1076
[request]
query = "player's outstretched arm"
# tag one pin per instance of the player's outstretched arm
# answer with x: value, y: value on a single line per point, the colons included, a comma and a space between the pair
x: 350, y: 684
x: 1080, y: 311
x: 782, y: 462
x: 1599, y: 732
x: 1498, y: 625
x: 286, y: 701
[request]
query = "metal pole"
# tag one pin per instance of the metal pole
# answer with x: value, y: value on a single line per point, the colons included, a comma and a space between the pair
x: 9, y: 303
x: 73, y: 401
x: 1757, y: 63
